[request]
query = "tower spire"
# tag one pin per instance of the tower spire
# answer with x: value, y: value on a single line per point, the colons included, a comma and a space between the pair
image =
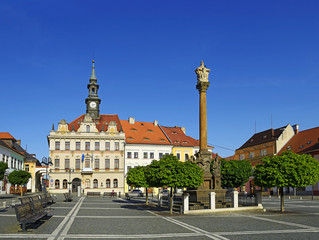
x: 93, y: 70
x: 93, y: 101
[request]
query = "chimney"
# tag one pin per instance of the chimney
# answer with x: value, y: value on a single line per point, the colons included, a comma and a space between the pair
x: 155, y: 122
x: 131, y: 120
x: 184, y: 130
x: 19, y: 142
x: 296, y: 128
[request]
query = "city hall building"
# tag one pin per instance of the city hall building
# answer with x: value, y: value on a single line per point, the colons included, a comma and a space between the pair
x: 89, y: 151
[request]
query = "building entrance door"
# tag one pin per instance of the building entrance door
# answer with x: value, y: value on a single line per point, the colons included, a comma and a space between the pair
x: 75, y: 183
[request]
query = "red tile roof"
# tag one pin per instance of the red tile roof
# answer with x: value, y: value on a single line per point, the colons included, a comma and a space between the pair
x: 179, y: 138
x: 6, y: 135
x: 103, y: 120
x: 306, y: 141
x: 143, y: 132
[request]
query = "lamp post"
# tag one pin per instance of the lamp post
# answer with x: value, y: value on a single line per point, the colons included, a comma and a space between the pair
x: 46, y: 162
x: 70, y: 170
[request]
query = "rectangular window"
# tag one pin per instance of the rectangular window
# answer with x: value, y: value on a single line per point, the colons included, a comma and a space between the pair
x: 78, y: 146
x: 77, y: 164
x: 186, y: 156
x: 251, y: 154
x: 116, y: 164
x: 263, y: 152
x: 107, y: 164
x: 57, y: 145
x: 87, y: 163
x: 145, y: 154
x: 241, y: 156
x: 107, y: 146
x: 27, y: 167
x: 178, y: 155
x: 97, y: 163
x: 117, y: 146
x: 135, y: 154
x: 67, y: 164
x: 57, y: 163
x: 160, y: 155
x: 128, y: 168
x: 87, y: 146
x: 97, y: 146
x: 151, y: 155
x: 129, y: 155
x: 67, y: 145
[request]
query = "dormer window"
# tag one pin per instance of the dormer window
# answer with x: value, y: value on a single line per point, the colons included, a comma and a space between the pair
x: 133, y: 129
x: 301, y: 146
x: 174, y: 132
x: 149, y: 130
x: 309, y: 142
x: 146, y: 139
x: 289, y: 148
x: 87, y: 128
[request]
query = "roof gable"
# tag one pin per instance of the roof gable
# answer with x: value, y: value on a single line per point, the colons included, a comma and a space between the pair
x: 179, y: 138
x: 263, y: 137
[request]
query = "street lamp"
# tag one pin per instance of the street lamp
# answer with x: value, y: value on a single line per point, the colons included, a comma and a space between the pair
x: 70, y: 170
x: 46, y: 162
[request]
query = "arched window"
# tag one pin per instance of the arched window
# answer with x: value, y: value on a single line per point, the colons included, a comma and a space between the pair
x: 87, y: 128
x: 115, y: 183
x: 87, y: 183
x: 93, y: 90
x: 65, y: 184
x: 108, y: 183
x: 57, y: 184
x: 95, y: 183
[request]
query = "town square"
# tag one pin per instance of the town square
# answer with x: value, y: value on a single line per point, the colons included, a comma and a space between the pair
x: 158, y: 119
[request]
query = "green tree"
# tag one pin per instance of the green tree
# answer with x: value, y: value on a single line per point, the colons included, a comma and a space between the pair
x: 235, y: 173
x: 3, y: 167
x: 170, y: 172
x: 19, y: 177
x: 287, y: 170
x: 136, y: 178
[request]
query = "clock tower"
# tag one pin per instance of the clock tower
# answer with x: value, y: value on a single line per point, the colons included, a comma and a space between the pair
x: 92, y: 101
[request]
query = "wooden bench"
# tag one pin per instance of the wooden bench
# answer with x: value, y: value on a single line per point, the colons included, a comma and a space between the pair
x: 109, y: 194
x: 29, y: 213
x: 68, y: 197
x: 93, y: 194
x: 24, y: 200
x: 46, y: 199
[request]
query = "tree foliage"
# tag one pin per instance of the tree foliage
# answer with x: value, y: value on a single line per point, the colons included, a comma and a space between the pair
x: 136, y: 177
x: 3, y: 167
x: 170, y: 172
x: 287, y: 170
x: 235, y: 173
x: 19, y: 177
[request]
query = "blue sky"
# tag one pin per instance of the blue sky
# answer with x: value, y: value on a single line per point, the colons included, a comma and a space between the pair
x: 263, y: 56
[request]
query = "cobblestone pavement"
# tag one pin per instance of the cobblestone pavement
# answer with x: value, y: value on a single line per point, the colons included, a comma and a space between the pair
x: 104, y: 218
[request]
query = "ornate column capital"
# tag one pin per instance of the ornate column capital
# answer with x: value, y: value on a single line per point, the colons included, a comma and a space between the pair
x: 202, y: 86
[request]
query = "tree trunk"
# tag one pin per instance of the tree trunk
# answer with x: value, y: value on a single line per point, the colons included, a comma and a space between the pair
x: 146, y: 202
x: 281, y: 193
x: 171, y: 201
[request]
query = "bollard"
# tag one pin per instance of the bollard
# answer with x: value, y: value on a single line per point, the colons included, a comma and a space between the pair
x: 79, y: 191
x: 212, y: 200
x: 235, y: 199
x: 13, y: 203
x: 185, y: 202
x: 119, y: 194
x: 4, y: 204
x: 258, y: 199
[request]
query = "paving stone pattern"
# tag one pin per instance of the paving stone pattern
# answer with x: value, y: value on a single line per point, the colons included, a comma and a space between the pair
x: 104, y: 218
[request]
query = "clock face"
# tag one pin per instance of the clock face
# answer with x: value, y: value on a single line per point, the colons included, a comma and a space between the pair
x: 93, y: 104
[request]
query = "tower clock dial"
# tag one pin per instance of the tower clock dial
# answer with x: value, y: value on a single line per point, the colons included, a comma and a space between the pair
x: 93, y: 104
